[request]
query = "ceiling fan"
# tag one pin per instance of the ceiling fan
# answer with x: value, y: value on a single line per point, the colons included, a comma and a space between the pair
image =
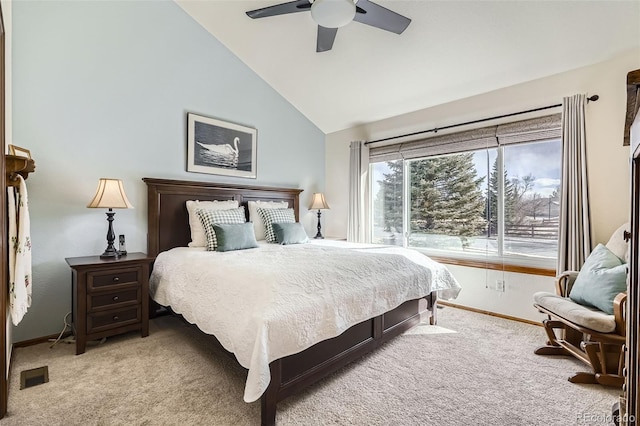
x: 333, y: 14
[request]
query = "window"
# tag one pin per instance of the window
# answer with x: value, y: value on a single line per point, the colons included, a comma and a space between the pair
x: 387, y: 189
x: 447, y: 202
x: 501, y: 201
x: 532, y: 198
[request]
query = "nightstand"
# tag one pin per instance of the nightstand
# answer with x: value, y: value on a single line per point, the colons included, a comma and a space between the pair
x: 109, y: 296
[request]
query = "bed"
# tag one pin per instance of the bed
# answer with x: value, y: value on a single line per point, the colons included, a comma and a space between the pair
x: 287, y: 370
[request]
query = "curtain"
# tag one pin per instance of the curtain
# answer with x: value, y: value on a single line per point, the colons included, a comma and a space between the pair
x: 357, y: 221
x: 574, y: 233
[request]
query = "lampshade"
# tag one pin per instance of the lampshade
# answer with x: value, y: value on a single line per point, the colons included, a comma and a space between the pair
x: 110, y: 195
x: 318, y: 202
x: 333, y: 13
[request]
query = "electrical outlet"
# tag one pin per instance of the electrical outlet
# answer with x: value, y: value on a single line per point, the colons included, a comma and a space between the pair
x: 499, y: 285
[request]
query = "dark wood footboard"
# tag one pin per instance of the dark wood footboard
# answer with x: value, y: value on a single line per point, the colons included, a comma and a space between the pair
x: 291, y: 374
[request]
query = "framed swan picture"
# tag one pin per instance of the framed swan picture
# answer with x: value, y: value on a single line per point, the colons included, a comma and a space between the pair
x: 220, y: 148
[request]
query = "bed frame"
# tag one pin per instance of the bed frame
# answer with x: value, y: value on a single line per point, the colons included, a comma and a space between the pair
x: 168, y: 227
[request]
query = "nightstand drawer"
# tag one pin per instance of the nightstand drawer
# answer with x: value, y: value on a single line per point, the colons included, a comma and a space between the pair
x: 110, y: 319
x: 99, y: 301
x: 102, y: 279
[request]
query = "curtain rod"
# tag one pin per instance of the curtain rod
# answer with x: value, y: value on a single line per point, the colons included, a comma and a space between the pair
x: 436, y: 129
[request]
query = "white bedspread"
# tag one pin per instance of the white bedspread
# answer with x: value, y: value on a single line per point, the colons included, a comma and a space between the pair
x: 266, y: 303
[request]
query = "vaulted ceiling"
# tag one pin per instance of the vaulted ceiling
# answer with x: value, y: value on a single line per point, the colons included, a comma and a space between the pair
x: 451, y: 50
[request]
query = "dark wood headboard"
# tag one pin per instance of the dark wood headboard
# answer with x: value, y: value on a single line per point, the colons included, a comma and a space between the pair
x: 167, y: 218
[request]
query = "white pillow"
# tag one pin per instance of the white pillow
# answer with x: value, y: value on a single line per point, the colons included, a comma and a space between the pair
x: 198, y: 237
x: 618, y: 245
x: 258, y: 224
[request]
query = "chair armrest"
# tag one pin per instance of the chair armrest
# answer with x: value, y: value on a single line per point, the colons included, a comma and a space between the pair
x: 564, y: 282
x: 619, y: 308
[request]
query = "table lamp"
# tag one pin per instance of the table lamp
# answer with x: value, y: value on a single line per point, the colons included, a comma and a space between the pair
x: 319, y: 203
x: 110, y: 195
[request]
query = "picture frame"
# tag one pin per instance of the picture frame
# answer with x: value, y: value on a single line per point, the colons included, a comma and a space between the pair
x: 19, y: 151
x: 220, y: 147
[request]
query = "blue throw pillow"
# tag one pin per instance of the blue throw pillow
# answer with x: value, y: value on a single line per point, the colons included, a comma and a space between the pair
x: 601, y: 278
x: 236, y: 236
x: 290, y: 233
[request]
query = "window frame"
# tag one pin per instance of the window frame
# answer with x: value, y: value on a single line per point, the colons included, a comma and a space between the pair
x: 539, y: 265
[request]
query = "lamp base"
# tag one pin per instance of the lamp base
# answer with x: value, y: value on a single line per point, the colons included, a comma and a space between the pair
x: 319, y: 234
x: 109, y: 254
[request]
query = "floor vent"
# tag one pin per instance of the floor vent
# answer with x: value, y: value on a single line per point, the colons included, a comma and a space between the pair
x: 33, y: 377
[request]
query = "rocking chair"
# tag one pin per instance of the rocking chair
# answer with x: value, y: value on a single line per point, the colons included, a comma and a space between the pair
x: 589, y: 334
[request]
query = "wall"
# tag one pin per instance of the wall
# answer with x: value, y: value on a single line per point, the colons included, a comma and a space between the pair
x: 607, y: 162
x: 101, y: 89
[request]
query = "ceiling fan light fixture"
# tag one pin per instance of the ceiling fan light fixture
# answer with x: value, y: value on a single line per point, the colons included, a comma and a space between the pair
x: 333, y: 13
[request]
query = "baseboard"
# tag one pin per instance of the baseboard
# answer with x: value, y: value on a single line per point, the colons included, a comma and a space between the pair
x: 38, y: 340
x: 493, y: 314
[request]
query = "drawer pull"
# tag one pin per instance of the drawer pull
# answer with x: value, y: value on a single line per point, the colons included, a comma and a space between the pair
x: 116, y: 279
x: 116, y: 298
x: 116, y: 318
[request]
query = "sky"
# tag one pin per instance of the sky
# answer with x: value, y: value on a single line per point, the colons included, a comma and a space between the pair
x: 523, y: 159
x: 543, y: 160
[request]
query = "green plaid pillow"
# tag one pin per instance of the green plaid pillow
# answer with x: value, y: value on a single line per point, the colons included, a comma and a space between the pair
x: 216, y: 217
x: 271, y: 216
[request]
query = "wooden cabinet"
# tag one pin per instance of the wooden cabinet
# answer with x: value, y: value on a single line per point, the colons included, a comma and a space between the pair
x: 109, y: 296
x: 633, y: 104
x: 632, y: 371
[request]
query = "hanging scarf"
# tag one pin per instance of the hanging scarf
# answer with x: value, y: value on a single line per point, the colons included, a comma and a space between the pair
x: 19, y: 252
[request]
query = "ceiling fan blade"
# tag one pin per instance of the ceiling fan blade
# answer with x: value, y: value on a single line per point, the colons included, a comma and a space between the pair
x: 380, y: 17
x: 326, y: 36
x: 280, y: 9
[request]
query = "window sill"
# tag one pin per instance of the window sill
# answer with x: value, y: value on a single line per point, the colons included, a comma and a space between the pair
x: 496, y: 266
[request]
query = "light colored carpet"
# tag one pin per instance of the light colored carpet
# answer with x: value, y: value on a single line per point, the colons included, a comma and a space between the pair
x: 471, y: 370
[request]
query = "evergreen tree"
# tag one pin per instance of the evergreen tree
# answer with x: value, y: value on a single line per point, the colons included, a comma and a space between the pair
x: 446, y: 196
x: 391, y: 194
x: 510, y: 199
